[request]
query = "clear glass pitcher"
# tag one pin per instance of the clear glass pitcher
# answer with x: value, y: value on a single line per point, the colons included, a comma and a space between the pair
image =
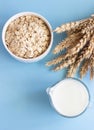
x: 70, y: 97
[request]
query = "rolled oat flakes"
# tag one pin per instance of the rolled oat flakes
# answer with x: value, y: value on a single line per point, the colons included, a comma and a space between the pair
x: 27, y: 36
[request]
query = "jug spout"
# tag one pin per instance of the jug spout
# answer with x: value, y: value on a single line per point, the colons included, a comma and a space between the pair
x: 50, y: 91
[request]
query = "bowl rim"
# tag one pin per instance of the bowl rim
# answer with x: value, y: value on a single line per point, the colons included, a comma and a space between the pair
x: 28, y: 59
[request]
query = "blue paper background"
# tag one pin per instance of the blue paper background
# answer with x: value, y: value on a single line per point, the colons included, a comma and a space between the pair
x: 24, y: 104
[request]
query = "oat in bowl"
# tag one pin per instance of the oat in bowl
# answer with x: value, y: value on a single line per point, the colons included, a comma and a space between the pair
x: 27, y: 36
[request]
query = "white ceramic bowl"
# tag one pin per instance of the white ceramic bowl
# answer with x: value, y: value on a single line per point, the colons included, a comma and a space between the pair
x: 23, y: 59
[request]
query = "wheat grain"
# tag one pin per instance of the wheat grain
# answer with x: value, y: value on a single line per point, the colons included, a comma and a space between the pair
x: 92, y: 58
x: 91, y: 72
x: 70, y: 71
x: 84, y: 68
x: 92, y: 65
x: 87, y: 29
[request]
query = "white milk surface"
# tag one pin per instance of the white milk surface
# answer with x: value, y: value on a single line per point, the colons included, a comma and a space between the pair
x: 69, y: 97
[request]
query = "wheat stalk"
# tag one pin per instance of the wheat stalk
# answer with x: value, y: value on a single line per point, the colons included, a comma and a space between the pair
x: 79, y: 48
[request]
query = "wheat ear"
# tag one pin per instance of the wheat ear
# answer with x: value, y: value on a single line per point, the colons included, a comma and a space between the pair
x: 85, y: 53
x: 81, y: 43
x: 58, y: 59
x: 55, y: 61
x: 66, y: 27
x: 66, y: 63
x: 69, y: 26
x: 69, y: 41
x: 83, y: 25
